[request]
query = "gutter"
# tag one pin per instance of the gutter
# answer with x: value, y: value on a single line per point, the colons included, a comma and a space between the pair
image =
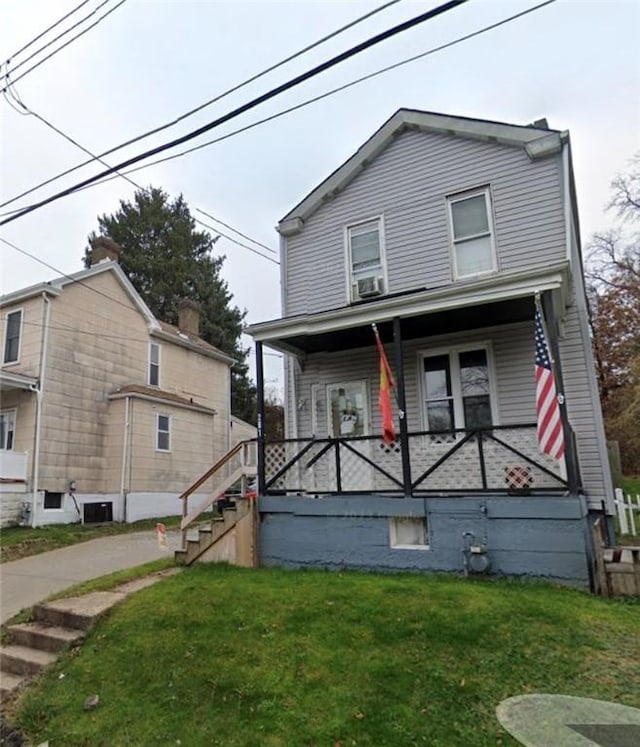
x: 125, y: 445
x: 46, y: 312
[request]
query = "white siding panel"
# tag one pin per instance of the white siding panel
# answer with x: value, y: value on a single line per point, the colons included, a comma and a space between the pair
x: 407, y: 183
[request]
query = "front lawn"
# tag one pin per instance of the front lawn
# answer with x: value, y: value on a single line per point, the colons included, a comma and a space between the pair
x: 269, y: 658
x: 20, y: 542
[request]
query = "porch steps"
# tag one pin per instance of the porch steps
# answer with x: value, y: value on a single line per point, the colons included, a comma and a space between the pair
x: 212, y: 533
x: 58, y: 625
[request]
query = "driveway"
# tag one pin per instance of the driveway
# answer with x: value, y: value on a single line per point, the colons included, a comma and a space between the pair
x: 27, y: 581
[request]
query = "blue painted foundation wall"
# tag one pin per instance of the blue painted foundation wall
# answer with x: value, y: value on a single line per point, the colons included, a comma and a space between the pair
x: 536, y: 537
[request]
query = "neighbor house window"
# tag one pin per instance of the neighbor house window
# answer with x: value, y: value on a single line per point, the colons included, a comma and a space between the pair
x: 163, y: 432
x: 365, y: 259
x: 472, y: 233
x: 52, y: 501
x: 7, y: 429
x: 457, y: 390
x: 408, y: 533
x: 12, y: 337
x: 154, y: 364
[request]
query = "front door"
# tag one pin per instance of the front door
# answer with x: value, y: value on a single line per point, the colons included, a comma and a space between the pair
x: 347, y: 418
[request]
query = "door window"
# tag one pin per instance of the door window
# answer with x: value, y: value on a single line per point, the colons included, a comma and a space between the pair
x: 7, y: 429
x: 348, y: 410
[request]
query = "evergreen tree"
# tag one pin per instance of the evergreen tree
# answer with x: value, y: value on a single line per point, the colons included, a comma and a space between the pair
x: 167, y: 259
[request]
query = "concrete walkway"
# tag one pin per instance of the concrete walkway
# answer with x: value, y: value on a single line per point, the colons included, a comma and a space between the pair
x: 25, y: 582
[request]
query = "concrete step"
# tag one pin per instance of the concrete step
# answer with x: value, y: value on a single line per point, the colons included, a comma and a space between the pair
x: 44, y: 637
x: 78, y: 613
x: 9, y: 683
x: 24, y: 660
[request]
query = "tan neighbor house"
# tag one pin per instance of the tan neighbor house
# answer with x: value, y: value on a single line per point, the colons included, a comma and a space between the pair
x: 105, y: 411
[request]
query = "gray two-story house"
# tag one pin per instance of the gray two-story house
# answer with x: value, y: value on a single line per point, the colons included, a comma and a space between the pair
x: 446, y: 233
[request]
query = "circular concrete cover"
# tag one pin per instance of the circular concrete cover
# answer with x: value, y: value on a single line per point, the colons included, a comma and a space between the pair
x: 565, y: 721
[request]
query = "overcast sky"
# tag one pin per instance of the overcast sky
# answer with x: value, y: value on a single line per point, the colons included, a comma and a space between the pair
x: 574, y: 62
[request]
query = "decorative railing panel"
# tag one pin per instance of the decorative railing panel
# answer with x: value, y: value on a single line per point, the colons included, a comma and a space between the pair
x: 501, y: 459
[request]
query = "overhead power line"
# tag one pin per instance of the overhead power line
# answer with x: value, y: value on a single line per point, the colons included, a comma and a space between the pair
x: 217, y: 98
x: 235, y: 230
x: 46, y: 31
x: 322, y: 96
x: 61, y: 47
x: 18, y: 65
x: 251, y: 104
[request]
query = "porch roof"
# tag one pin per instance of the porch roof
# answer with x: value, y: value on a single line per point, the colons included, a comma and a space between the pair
x: 11, y: 381
x: 500, y: 299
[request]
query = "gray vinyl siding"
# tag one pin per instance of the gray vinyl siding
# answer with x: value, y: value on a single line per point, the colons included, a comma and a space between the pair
x: 407, y: 185
x: 512, y: 351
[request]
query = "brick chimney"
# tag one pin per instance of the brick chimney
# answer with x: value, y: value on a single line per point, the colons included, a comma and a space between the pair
x: 103, y: 248
x: 189, y: 317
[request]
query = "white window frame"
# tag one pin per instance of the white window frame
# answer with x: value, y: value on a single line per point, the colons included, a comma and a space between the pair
x: 9, y: 411
x: 351, y: 296
x: 395, y: 534
x: 159, y: 347
x: 6, y: 334
x: 459, y: 197
x: 453, y: 352
x: 158, y: 431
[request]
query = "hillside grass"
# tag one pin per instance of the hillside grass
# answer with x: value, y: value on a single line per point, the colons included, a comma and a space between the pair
x: 269, y: 658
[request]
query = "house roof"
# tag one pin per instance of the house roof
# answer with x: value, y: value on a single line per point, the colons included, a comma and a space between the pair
x: 158, y: 395
x: 56, y: 286
x: 179, y: 337
x: 156, y: 327
x: 537, y: 139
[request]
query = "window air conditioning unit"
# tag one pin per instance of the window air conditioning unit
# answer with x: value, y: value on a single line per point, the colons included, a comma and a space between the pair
x: 368, y: 286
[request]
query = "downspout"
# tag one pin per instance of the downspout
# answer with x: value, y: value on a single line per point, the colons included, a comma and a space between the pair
x: 123, y: 472
x: 46, y: 311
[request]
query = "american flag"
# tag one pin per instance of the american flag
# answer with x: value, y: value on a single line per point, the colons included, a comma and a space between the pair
x: 550, y: 433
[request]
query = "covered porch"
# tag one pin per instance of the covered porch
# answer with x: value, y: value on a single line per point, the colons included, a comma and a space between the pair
x: 447, y: 443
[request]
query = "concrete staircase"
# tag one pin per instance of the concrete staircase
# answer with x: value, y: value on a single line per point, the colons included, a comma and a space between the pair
x: 32, y: 646
x: 226, y: 538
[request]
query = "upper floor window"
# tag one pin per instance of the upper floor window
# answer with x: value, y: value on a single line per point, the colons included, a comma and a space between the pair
x: 457, y: 390
x: 7, y: 429
x: 163, y: 432
x: 472, y: 233
x: 365, y: 256
x: 154, y: 364
x: 12, y: 337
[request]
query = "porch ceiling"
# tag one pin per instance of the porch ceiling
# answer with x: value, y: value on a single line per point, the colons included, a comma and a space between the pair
x: 499, y: 299
x: 412, y: 327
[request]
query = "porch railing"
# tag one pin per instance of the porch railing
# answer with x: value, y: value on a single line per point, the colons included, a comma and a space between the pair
x: 501, y: 459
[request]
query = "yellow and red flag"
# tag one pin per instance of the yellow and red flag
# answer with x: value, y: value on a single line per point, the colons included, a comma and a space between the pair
x: 384, y: 397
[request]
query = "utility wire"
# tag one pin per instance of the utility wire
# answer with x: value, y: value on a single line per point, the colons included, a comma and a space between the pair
x: 372, y: 41
x: 26, y: 110
x: 217, y: 98
x: 46, y: 31
x: 235, y: 230
x: 66, y: 44
x: 52, y: 41
x: 321, y: 96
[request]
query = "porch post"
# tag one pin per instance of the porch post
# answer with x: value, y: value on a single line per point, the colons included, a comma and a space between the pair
x: 571, y: 456
x: 260, y: 408
x: 402, y: 407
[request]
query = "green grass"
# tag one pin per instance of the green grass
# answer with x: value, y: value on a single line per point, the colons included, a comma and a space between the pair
x: 269, y: 658
x: 631, y: 485
x: 20, y: 542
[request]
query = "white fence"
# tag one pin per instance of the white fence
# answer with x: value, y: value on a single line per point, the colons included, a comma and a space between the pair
x: 628, y: 510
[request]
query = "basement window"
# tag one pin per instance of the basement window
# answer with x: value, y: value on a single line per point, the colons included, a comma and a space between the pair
x: 408, y: 533
x: 52, y: 501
